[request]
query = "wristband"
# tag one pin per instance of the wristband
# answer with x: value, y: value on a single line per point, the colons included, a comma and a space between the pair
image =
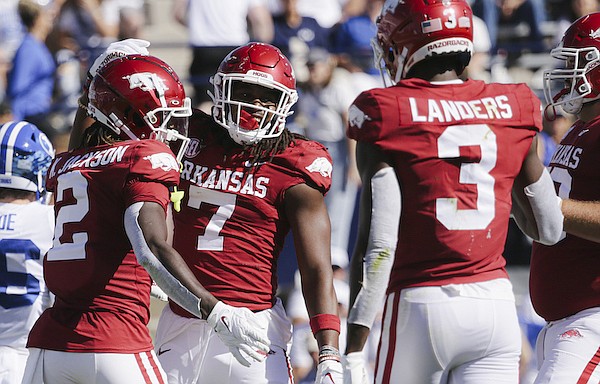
x: 324, y: 321
x: 328, y: 352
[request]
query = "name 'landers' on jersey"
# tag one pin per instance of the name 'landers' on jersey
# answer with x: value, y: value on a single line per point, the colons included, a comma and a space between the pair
x: 456, y: 149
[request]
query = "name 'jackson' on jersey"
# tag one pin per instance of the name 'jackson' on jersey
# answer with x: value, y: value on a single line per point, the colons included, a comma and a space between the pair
x: 101, y: 290
x: 457, y: 150
x: 232, y: 224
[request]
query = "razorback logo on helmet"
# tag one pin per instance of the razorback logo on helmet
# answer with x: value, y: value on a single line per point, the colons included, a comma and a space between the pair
x: 146, y: 81
x: 595, y: 34
x: 356, y: 117
x: 321, y: 165
x: 163, y: 160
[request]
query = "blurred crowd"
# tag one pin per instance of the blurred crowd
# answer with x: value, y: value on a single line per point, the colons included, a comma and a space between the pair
x: 46, y: 47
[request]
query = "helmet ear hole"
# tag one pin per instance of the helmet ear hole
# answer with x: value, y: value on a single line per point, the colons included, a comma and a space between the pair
x: 137, y: 120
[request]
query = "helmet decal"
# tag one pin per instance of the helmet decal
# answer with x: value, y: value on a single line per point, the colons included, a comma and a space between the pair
x: 147, y: 82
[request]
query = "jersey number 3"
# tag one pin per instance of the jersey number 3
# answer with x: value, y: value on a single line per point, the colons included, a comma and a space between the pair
x: 449, y: 144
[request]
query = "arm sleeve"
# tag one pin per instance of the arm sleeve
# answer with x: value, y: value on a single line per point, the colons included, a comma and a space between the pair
x: 547, y: 214
x: 379, y: 256
x: 163, y: 278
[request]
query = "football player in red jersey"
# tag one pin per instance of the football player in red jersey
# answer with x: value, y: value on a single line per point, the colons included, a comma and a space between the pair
x: 565, y: 278
x: 110, y: 239
x: 248, y: 181
x: 440, y: 157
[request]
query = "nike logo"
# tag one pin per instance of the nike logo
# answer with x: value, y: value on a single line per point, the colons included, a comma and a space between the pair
x: 161, y: 351
x: 224, y: 321
x: 249, y: 164
x: 583, y: 132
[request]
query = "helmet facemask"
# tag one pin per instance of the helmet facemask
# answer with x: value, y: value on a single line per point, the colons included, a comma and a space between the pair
x: 251, y: 106
x: 170, y: 125
x: 389, y: 64
x: 573, y: 80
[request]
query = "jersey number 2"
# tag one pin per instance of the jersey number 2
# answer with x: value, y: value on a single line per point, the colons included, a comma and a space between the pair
x: 74, y: 250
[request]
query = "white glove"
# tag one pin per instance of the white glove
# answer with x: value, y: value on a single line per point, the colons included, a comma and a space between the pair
x: 239, y: 330
x: 119, y: 49
x: 329, y: 372
x: 355, y: 371
x: 158, y: 293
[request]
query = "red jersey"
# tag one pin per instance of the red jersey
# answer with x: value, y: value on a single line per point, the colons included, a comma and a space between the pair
x: 232, y: 223
x: 456, y: 149
x: 565, y: 278
x: 102, y: 293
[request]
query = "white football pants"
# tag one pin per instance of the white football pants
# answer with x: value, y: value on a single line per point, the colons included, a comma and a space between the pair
x: 191, y: 352
x: 453, y: 334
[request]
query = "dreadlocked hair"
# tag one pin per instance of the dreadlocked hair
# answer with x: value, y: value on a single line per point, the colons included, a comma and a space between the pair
x: 266, y: 149
x: 98, y: 134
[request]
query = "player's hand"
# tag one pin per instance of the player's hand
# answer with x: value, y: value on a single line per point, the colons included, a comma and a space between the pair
x: 330, y: 372
x: 355, y: 371
x: 239, y: 329
x: 119, y: 49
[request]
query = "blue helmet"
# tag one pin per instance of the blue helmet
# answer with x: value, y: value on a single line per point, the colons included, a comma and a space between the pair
x: 25, y: 156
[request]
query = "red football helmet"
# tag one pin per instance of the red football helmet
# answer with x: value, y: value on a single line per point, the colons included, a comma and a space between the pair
x: 411, y: 31
x: 579, y: 80
x: 254, y: 89
x: 141, y: 97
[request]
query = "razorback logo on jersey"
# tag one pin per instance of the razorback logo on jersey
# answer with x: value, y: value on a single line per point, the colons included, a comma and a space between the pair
x: 569, y: 334
x: 146, y: 81
x: 163, y: 160
x: 356, y: 117
x: 321, y: 165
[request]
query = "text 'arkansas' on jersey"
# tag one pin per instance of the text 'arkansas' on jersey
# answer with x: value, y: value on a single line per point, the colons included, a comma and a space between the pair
x: 225, y: 179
